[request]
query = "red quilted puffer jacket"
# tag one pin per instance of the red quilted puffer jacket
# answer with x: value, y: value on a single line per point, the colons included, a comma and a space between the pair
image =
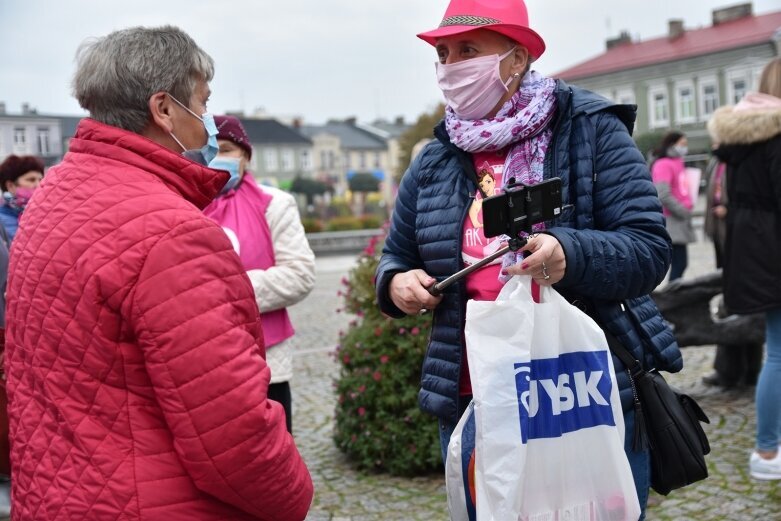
x: 136, y: 376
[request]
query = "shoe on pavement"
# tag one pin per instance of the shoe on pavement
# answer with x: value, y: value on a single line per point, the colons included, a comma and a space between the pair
x: 716, y: 380
x: 765, y: 468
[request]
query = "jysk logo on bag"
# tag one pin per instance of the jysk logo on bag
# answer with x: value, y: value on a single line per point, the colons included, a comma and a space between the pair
x: 564, y: 394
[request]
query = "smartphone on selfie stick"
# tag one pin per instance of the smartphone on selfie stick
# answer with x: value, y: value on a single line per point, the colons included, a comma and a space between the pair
x: 511, y: 213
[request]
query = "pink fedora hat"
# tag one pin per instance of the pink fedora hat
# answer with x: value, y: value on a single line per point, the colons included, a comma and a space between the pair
x: 507, y: 17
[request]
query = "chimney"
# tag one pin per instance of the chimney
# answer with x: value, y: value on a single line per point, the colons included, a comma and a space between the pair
x: 297, y: 123
x: 675, y: 29
x: 399, y: 120
x: 621, y: 39
x: 2, y: 107
x: 351, y: 120
x: 735, y: 12
x: 25, y: 108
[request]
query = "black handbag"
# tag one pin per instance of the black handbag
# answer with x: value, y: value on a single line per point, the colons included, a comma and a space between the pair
x: 668, y: 423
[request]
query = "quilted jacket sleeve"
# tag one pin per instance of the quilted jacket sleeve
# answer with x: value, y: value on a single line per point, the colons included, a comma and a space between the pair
x: 293, y: 275
x: 195, y: 318
x: 400, y: 252
x: 627, y: 253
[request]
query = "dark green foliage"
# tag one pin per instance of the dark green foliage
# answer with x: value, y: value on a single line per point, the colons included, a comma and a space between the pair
x: 309, y: 187
x: 378, y: 423
x: 363, y: 182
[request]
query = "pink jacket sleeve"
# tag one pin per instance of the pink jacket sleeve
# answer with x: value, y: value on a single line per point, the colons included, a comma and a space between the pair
x: 195, y: 318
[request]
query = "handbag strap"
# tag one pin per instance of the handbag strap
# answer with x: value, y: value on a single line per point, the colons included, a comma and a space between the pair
x: 617, y: 348
x: 635, y: 371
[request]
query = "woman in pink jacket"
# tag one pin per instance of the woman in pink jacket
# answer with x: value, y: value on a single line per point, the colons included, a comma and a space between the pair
x: 135, y: 361
x: 669, y: 175
x: 265, y: 229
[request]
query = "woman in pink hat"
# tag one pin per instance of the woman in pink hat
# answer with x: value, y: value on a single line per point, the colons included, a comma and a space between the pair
x: 605, y: 253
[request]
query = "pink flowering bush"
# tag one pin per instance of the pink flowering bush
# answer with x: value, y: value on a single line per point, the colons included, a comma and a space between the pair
x: 378, y: 423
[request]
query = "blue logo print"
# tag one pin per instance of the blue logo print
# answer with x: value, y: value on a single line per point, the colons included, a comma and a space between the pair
x: 564, y: 394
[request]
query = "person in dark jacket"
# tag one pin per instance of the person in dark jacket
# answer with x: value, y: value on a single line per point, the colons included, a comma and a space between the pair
x: 607, y: 250
x: 734, y: 364
x: 749, y: 134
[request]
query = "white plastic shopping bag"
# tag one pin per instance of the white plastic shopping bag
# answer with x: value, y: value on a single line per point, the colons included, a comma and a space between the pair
x: 549, y: 431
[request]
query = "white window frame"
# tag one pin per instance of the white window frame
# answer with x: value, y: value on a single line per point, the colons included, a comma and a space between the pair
x: 44, y: 141
x: 306, y: 160
x: 626, y: 96
x: 679, y: 117
x: 653, y: 122
x: 734, y: 75
x: 270, y: 160
x: 20, y: 140
x: 707, y: 81
x: 288, y: 160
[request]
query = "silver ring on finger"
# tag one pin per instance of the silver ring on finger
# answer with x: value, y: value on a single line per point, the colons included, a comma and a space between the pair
x: 545, y: 272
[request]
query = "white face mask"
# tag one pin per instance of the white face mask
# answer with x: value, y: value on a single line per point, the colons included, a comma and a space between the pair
x: 678, y: 151
x: 472, y: 88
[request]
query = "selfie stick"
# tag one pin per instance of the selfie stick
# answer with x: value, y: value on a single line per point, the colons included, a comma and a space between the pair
x: 513, y: 245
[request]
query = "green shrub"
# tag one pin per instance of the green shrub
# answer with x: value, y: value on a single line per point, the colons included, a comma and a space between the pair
x: 312, y: 225
x: 339, y: 208
x: 344, y: 223
x: 378, y: 423
x: 370, y: 221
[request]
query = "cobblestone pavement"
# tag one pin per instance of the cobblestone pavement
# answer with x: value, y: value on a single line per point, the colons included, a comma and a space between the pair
x: 345, y: 495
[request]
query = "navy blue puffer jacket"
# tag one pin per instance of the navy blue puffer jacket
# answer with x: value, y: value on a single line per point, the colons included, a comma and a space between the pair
x: 613, y: 235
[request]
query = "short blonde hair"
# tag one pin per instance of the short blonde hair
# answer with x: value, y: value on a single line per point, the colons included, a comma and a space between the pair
x: 770, y: 82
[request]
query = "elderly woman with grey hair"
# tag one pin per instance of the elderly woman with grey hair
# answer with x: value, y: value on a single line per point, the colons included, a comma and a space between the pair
x: 135, y: 359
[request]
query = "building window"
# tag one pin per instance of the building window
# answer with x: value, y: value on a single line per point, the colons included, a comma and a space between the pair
x: 625, y: 96
x: 346, y: 159
x: 686, y: 111
x: 738, y: 88
x: 288, y: 160
x: 323, y: 159
x: 270, y: 157
x: 709, y: 98
x: 659, y: 107
x: 44, y: 147
x: 362, y: 160
x: 20, y: 139
x: 306, y: 161
x: 331, y: 159
x: 377, y: 162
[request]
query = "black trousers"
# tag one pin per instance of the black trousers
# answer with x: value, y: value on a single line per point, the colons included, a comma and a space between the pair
x: 738, y: 364
x: 280, y: 392
x: 680, y: 260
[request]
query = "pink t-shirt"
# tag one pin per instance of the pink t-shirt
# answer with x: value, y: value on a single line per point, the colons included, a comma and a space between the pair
x: 484, y: 283
x: 672, y: 171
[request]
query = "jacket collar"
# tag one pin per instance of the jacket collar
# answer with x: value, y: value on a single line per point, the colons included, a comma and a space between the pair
x: 728, y: 127
x: 194, y: 182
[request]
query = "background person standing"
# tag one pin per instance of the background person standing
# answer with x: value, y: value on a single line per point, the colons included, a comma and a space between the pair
x: 749, y: 134
x: 265, y: 229
x: 669, y: 175
x: 20, y: 176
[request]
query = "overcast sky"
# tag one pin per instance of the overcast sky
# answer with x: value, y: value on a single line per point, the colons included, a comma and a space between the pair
x: 317, y: 58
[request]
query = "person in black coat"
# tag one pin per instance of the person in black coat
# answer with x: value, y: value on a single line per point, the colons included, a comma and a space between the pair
x: 750, y: 144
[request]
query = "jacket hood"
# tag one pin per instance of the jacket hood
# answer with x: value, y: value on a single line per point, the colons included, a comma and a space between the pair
x: 746, y: 127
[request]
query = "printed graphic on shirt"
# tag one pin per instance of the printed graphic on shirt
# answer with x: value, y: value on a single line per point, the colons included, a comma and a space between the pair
x: 475, y: 244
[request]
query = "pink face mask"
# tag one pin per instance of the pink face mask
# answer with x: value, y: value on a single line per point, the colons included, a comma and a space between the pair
x: 473, y: 87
